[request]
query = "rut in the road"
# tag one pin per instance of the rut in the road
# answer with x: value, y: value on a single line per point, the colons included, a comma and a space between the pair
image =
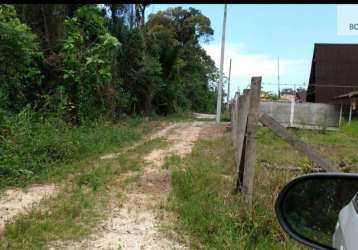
x: 135, y: 225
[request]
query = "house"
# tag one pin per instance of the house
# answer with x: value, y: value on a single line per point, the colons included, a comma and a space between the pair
x: 352, y: 99
x: 301, y: 96
x: 287, y: 97
x: 334, y: 72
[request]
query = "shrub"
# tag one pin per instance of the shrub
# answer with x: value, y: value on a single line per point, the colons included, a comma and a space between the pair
x: 20, y: 76
x: 34, y: 146
x: 88, y: 50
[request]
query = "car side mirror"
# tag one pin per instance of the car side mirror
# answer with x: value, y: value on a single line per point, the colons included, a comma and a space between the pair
x: 321, y: 210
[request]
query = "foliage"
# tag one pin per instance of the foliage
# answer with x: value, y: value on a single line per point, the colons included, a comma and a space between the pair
x: 32, y: 146
x: 268, y: 95
x: 20, y: 75
x: 79, y: 61
x: 64, y: 67
x: 187, y: 70
x: 88, y: 49
x: 291, y: 91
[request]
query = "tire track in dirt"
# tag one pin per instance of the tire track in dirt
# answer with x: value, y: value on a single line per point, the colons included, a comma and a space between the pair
x: 136, y: 225
x: 14, y: 202
x: 157, y: 134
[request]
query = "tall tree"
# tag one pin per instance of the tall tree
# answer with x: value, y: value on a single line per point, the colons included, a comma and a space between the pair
x: 187, y: 69
x: 47, y: 21
x: 140, y: 14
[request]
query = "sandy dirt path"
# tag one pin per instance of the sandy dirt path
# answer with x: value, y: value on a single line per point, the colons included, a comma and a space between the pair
x: 14, y: 202
x: 136, y: 224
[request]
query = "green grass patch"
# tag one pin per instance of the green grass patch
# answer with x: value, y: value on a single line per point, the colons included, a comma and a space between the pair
x: 210, y: 214
x: 339, y: 146
x: 33, y: 149
x: 216, y: 219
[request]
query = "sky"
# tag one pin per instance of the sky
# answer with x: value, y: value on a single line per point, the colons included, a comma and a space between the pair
x: 256, y: 35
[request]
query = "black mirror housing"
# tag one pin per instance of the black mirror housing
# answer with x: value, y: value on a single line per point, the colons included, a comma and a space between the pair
x: 310, y: 209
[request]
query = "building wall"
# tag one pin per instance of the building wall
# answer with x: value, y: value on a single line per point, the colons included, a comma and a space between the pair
x: 305, y: 115
x: 334, y: 72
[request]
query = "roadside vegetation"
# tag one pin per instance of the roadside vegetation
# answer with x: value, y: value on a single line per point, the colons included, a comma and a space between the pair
x: 202, y: 184
x: 76, y: 78
x: 81, y: 80
x: 338, y: 146
x: 84, y: 200
x: 36, y: 149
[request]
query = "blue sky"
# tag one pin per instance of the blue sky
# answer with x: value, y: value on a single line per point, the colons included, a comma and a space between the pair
x: 257, y: 34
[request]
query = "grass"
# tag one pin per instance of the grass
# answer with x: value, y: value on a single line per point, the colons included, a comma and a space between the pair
x: 213, y: 217
x: 339, y: 147
x: 33, y: 149
x: 202, y: 183
x: 82, y: 203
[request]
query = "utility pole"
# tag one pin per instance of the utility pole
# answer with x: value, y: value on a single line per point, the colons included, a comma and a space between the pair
x: 228, y: 87
x: 218, y: 104
x: 278, y: 78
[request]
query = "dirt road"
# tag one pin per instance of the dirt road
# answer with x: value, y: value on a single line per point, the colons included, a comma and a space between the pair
x: 136, y: 224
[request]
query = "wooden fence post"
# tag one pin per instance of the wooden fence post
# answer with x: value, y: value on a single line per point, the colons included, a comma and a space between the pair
x: 250, y: 151
x: 242, y: 113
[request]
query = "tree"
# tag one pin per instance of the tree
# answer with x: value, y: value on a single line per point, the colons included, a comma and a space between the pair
x: 140, y: 14
x: 87, y: 53
x: 81, y: 61
x: 20, y: 54
x: 268, y: 95
x: 187, y: 69
x: 287, y: 91
x: 188, y: 25
x: 47, y: 21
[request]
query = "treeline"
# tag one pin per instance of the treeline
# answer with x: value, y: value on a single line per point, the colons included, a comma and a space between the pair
x: 81, y: 61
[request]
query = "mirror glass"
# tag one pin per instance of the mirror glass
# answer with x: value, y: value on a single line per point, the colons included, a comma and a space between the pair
x: 324, y: 211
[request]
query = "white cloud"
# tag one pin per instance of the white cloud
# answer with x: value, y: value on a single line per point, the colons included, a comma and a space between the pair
x: 245, y: 65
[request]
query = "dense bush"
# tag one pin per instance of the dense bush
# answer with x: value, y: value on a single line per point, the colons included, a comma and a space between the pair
x: 31, y: 145
x: 20, y: 75
x: 88, y: 50
x: 84, y: 61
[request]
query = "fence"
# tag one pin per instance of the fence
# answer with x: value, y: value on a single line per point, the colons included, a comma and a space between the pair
x: 246, y: 113
x: 303, y: 115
